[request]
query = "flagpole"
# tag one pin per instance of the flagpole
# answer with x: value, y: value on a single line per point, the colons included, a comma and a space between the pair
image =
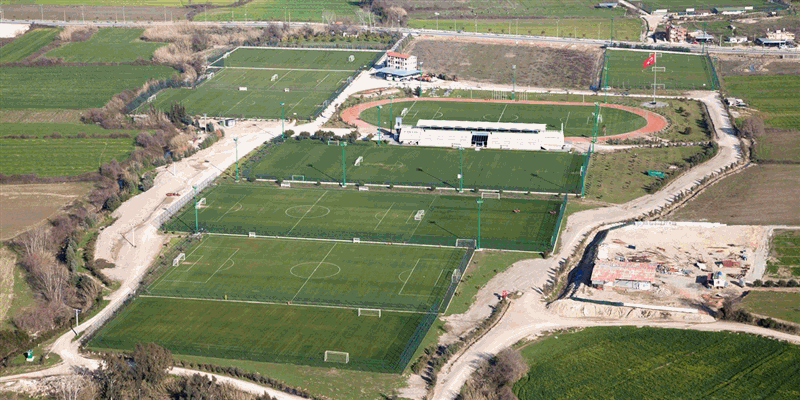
x: 655, y: 71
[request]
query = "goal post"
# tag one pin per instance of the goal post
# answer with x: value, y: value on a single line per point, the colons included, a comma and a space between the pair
x: 201, y: 202
x: 333, y: 142
x: 469, y: 243
x: 177, y: 260
x: 369, y: 312
x: 359, y: 160
x: 456, y: 277
x: 490, y: 195
x: 337, y: 356
x: 419, y: 215
x: 298, y: 177
x: 251, y: 234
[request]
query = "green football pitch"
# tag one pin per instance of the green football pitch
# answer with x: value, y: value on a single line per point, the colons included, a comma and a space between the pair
x: 682, y: 71
x: 313, y: 160
x: 577, y: 120
x: 373, y: 216
x: 410, y: 278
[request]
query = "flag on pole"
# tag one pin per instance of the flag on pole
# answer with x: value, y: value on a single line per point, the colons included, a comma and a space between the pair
x: 650, y: 61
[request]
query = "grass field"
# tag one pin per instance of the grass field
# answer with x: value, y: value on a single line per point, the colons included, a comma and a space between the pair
x: 332, y: 60
x: 125, y: 44
x: 622, y: 176
x: 578, y: 120
x: 282, y: 10
x: 263, y: 332
x: 549, y: 172
x: 775, y: 97
x: 483, y: 8
x: 682, y: 5
x: 651, y: 363
x: 72, y: 87
x: 168, y: 3
x: 770, y: 191
x: 683, y: 71
x: 377, y: 216
x: 590, y: 27
x: 26, y: 45
x: 781, y: 305
x: 784, y: 257
x: 401, y: 278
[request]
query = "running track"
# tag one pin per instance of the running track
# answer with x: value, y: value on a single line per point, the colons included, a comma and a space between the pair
x: 655, y: 122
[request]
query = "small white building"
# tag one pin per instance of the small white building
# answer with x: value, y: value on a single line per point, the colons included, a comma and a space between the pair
x: 492, y: 135
x: 736, y: 39
x: 401, y: 61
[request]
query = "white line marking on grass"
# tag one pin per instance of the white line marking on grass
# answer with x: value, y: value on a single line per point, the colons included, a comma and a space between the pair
x: 438, y: 277
x: 199, y: 245
x: 384, y: 216
x: 239, y: 102
x: 312, y: 272
x: 437, y: 112
x: 273, y: 303
x: 423, y: 218
x: 231, y: 208
x: 306, y: 213
x: 501, y: 114
x: 223, y: 264
x: 321, y: 80
x: 292, y: 69
x: 279, y: 79
x: 409, y: 277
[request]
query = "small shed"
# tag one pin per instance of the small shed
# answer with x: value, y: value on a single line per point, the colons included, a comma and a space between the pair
x: 607, y: 5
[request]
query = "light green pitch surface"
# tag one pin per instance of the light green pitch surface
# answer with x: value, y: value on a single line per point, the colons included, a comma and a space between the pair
x: 108, y: 45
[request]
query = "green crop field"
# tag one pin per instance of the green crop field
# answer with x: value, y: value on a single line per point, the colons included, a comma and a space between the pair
x: 537, y: 171
x: 775, y: 96
x: 333, y: 60
x: 380, y: 276
x: 578, y: 120
x: 265, y: 332
x: 589, y: 27
x: 72, y: 87
x: 683, y: 71
x: 524, y: 8
x: 108, y: 45
x: 376, y: 216
x: 682, y: 5
x: 651, y: 363
x: 784, y: 257
x: 282, y: 10
x: 26, y: 45
x: 781, y: 305
x: 59, y: 156
x: 168, y: 3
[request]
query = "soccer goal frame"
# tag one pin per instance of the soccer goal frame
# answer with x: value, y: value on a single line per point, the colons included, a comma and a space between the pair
x: 201, y: 203
x: 333, y: 142
x: 337, y: 356
x: 456, y: 276
x: 490, y: 195
x: 470, y: 243
x: 359, y: 160
x: 177, y: 260
x: 251, y: 234
x: 369, y: 312
x: 419, y: 215
x: 661, y: 86
x: 299, y: 178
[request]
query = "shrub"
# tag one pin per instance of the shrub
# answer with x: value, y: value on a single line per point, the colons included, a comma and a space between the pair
x: 781, y: 283
x: 758, y: 283
x: 769, y: 284
x: 792, y: 283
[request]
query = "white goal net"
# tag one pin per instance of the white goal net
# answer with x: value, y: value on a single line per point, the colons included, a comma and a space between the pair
x: 419, y: 215
x: 298, y: 177
x: 274, y: 78
x: 251, y: 234
x: 337, y: 356
x: 178, y: 259
x: 351, y: 58
x: 465, y: 243
x: 333, y: 142
x: 490, y: 195
x: 201, y: 203
x: 456, y: 277
x: 369, y: 312
x: 358, y: 161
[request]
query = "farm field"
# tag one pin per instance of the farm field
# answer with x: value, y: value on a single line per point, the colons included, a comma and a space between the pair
x: 282, y: 10
x: 37, y: 202
x: 482, y: 8
x: 654, y: 363
x: 380, y: 276
x: 624, y: 28
x: 622, y: 176
x: 41, y: 130
x: 26, y: 45
x: 682, y: 5
x: 784, y: 258
x: 683, y: 71
x: 313, y: 160
x: 60, y: 157
x: 771, y: 192
x: 125, y: 44
x: 375, y: 216
x: 332, y: 60
x: 774, y: 96
x: 263, y: 332
x: 168, y: 3
x: 72, y: 87
x: 781, y: 305
x: 578, y: 120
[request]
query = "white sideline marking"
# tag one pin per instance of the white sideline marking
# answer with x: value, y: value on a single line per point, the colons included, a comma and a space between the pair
x: 229, y: 210
x: 223, y: 264
x: 306, y: 213
x: 312, y: 272
x: 409, y: 277
x: 291, y: 69
x: 321, y: 80
x: 384, y: 216
x: 501, y: 114
x: 273, y: 302
x: 423, y: 218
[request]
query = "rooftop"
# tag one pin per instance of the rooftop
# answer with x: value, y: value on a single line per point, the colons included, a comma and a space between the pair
x: 398, y: 55
x: 624, y: 271
x: 398, y: 72
x: 482, y: 126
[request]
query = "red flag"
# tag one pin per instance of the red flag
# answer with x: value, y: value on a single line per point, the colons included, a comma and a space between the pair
x: 650, y: 61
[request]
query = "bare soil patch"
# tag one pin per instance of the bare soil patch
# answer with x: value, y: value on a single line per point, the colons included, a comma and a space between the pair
x: 491, y: 61
x: 759, y: 195
x: 756, y: 65
x: 7, y: 261
x: 25, y: 206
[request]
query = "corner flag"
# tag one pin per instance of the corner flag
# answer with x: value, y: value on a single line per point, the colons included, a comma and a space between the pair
x: 650, y: 61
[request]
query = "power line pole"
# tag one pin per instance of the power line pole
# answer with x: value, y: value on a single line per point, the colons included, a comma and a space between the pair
x: 461, y: 170
x: 196, y: 221
x: 514, y: 84
x: 391, y: 116
x: 380, y: 137
x: 282, y: 113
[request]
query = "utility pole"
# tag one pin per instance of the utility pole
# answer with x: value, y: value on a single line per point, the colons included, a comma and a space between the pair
x: 437, y: 20
x: 514, y: 84
x: 557, y: 21
x: 391, y: 121
x: 612, y: 31
x: 123, y: 14
x: 282, y: 131
x: 41, y: 10
x: 76, y: 318
x: 343, y: 145
x: 480, y: 202
x: 196, y: 221
x: 236, y: 146
x: 461, y: 170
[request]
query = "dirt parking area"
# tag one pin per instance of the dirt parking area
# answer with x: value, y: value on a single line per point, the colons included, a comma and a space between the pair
x: 24, y: 206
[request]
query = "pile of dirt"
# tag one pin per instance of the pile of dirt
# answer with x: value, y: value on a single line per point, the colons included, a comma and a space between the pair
x: 491, y: 61
x: 576, y: 309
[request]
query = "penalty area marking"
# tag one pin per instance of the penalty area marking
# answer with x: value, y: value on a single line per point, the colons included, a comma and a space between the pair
x: 384, y: 216
x: 306, y: 213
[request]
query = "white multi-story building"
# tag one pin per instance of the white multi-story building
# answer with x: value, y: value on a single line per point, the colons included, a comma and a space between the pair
x: 492, y: 135
x: 401, y: 61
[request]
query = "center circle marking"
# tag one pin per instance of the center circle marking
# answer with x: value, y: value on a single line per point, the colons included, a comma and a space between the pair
x: 307, y: 211
x: 323, y: 270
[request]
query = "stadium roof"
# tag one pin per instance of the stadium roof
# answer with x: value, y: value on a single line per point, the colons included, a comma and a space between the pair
x: 624, y: 271
x: 398, y: 72
x: 482, y: 126
x: 398, y: 55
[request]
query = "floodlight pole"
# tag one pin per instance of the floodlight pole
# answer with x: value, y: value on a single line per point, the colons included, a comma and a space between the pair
x: 76, y: 318
x: 343, y: 145
x: 391, y: 124
x: 379, y: 125
x: 655, y: 71
x: 480, y: 202
x: 283, y: 108
x: 461, y: 170
x: 196, y: 221
x: 236, y: 146
x: 514, y: 84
